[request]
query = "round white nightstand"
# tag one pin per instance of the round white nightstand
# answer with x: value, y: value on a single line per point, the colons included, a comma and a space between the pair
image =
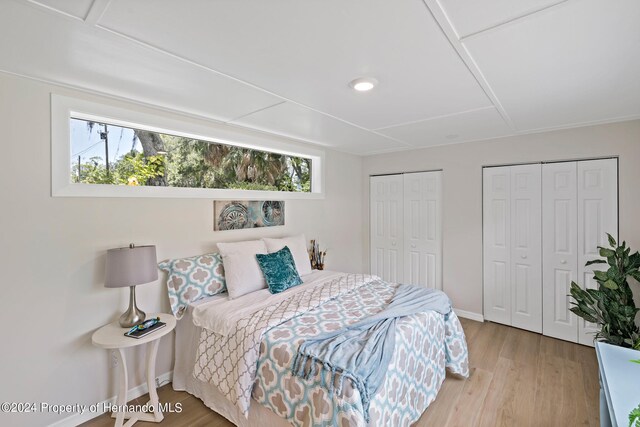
x: 112, y: 337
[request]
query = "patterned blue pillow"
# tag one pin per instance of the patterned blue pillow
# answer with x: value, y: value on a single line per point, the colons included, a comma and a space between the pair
x: 279, y: 270
x: 191, y: 279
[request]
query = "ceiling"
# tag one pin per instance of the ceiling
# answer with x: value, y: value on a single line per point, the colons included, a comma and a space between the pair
x: 449, y: 71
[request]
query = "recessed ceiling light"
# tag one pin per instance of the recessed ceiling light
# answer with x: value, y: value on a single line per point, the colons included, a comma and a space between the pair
x: 363, y: 84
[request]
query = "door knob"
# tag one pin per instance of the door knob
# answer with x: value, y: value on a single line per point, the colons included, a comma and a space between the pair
x: 523, y: 256
x: 564, y: 261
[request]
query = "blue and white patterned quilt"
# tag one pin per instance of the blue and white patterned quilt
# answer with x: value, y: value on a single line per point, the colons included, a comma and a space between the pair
x: 426, y: 343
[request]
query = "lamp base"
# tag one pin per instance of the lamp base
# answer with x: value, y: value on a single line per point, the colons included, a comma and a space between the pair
x: 133, y: 316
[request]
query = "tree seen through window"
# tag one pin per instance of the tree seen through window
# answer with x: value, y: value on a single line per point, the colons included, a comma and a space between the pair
x: 108, y: 154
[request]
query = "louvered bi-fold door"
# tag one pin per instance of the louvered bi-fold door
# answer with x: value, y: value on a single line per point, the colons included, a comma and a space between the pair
x: 386, y: 224
x: 512, y: 246
x: 422, y: 231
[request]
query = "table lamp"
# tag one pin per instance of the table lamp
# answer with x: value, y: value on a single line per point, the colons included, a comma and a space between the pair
x: 131, y: 266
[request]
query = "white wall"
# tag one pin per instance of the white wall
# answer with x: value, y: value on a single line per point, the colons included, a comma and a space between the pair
x: 53, y: 254
x: 462, y: 190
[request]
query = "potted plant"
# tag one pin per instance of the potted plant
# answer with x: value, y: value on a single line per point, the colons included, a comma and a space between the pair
x: 611, y: 304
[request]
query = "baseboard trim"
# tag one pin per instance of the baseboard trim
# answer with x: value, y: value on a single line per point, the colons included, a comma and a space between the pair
x: 469, y: 315
x: 134, y: 393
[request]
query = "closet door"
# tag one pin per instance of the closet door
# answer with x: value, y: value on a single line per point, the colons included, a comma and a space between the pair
x: 422, y: 229
x: 386, y: 204
x: 496, y: 244
x: 560, y: 243
x: 597, y: 215
x: 526, y: 247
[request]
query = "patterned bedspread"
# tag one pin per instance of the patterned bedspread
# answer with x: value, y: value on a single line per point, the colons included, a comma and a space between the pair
x: 258, y: 355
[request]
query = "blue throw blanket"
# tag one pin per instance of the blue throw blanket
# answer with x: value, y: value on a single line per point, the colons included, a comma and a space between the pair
x: 362, y: 351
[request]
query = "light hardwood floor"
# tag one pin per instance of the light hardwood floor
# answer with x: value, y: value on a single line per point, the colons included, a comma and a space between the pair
x: 518, y: 378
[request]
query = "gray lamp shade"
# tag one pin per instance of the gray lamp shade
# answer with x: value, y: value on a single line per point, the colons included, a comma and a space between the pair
x: 131, y: 266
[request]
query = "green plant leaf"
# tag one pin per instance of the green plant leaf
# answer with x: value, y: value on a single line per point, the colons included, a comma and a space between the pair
x: 587, y: 310
x: 634, y: 260
x: 611, y: 305
x: 635, y: 416
x: 612, y: 241
x: 629, y: 311
x: 607, y: 253
x: 595, y: 261
x: 578, y: 312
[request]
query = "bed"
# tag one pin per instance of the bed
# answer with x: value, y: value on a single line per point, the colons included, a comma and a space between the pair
x: 237, y: 355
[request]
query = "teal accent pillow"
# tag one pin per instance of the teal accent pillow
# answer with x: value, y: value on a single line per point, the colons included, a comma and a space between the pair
x: 190, y: 279
x: 279, y: 270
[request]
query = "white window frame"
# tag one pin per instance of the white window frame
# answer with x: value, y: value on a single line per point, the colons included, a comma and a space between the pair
x: 63, y: 108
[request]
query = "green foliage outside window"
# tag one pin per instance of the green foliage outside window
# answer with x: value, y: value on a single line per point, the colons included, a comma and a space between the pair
x: 130, y: 169
x: 174, y: 161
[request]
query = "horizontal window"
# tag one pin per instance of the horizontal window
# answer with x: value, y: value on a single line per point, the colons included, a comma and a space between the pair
x: 104, y: 153
x: 100, y: 150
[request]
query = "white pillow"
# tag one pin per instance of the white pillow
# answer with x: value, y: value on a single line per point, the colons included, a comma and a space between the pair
x: 242, y: 271
x: 298, y: 247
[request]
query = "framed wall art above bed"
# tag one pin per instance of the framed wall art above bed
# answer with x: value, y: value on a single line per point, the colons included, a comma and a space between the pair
x: 240, y: 214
